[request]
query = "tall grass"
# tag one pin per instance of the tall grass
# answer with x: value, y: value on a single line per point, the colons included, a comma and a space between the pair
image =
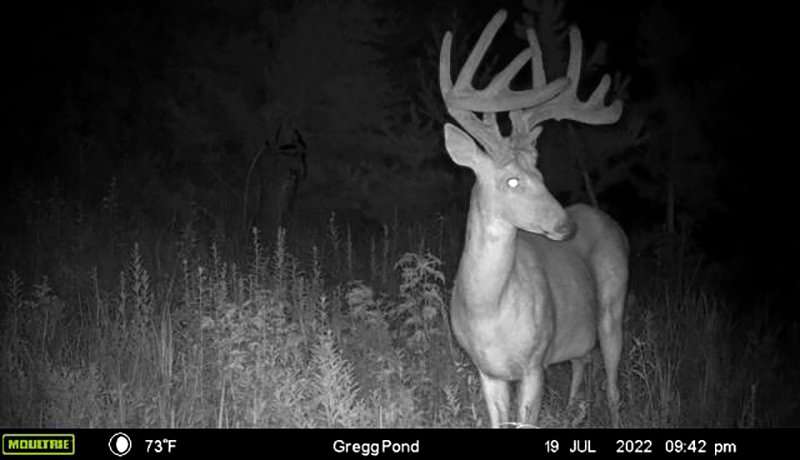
x: 103, y: 325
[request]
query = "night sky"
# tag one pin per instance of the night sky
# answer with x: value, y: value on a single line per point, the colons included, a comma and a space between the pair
x: 103, y: 71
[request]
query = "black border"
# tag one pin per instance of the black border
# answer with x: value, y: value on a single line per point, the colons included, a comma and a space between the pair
x: 432, y: 443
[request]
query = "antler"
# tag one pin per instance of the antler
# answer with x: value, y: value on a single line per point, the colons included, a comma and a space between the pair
x: 462, y: 99
x: 544, y: 101
x: 566, y: 106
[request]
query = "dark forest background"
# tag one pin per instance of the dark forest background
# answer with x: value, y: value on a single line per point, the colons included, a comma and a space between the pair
x: 146, y: 140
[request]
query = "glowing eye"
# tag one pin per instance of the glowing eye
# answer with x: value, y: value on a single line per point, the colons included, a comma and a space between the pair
x: 513, y: 182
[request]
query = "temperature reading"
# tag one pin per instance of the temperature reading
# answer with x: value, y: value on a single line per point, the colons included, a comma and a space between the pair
x: 159, y: 446
x: 551, y: 446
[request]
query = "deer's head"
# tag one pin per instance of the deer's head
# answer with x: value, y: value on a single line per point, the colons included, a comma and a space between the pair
x: 509, y: 185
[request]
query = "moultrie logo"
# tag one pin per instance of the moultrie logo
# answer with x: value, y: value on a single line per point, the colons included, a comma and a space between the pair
x: 38, y: 444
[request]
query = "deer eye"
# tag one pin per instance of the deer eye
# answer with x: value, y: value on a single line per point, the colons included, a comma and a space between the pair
x: 512, y: 182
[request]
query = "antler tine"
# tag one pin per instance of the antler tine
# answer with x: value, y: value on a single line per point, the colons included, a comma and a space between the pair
x: 566, y: 105
x: 445, y: 76
x: 464, y: 80
x: 537, y: 67
x: 463, y: 100
x: 496, y: 97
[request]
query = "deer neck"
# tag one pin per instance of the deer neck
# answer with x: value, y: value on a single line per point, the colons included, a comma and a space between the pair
x: 488, y: 257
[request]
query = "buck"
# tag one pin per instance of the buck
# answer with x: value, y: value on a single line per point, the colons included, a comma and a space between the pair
x: 537, y: 284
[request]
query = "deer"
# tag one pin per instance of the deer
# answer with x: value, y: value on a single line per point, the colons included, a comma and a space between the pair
x: 284, y: 168
x: 537, y: 283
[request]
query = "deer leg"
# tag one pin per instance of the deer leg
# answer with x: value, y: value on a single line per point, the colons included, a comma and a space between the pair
x: 610, y: 332
x: 612, y: 275
x: 578, y: 369
x: 577, y: 400
x: 529, y: 395
x: 495, y: 391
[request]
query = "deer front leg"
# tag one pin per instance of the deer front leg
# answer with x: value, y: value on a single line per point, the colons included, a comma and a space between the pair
x: 495, y: 391
x: 529, y: 395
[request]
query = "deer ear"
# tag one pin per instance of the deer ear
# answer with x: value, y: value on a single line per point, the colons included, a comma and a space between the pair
x: 461, y: 147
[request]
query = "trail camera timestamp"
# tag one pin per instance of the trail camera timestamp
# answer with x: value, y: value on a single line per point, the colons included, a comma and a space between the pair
x: 594, y: 446
x: 699, y: 446
x: 643, y: 447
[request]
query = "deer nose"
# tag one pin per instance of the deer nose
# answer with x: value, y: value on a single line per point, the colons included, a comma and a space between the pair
x: 566, y: 229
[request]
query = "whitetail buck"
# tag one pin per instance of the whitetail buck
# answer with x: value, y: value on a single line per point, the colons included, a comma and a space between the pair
x: 537, y: 284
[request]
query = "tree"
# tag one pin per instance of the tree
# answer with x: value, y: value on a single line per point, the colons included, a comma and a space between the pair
x: 579, y: 161
x: 679, y: 169
x: 309, y: 69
